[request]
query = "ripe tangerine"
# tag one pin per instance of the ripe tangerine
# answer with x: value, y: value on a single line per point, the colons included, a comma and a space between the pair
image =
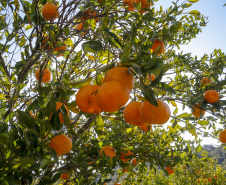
x: 158, y: 43
x: 86, y: 99
x: 64, y: 176
x: 108, y: 150
x: 144, y: 4
x: 130, y: 4
x: 61, y: 144
x: 111, y: 96
x: 197, y: 110
x: 122, y: 75
x: 124, y: 155
x: 45, y: 77
x: 154, y: 115
x: 211, y: 96
x: 132, y: 114
x: 222, y: 136
x: 58, y: 106
x: 169, y: 170
x: 145, y: 127
x: 50, y: 11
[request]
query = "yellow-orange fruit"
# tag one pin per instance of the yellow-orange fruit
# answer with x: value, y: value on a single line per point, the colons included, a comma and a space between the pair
x: 197, y: 110
x: 152, y: 77
x: 169, y: 170
x: 222, y: 136
x: 125, y: 170
x: 50, y: 11
x: 60, y: 49
x: 211, y: 96
x: 156, y: 44
x: 132, y: 114
x: 86, y: 99
x: 111, y: 96
x: 58, y: 105
x: 206, y: 81
x: 122, y: 75
x: 124, y: 156
x: 154, y: 115
x: 144, y: 4
x: 145, y: 127
x: 64, y: 176
x: 134, y: 161
x: 45, y: 77
x: 130, y: 4
x: 61, y: 144
x: 108, y: 150
x: 210, y: 180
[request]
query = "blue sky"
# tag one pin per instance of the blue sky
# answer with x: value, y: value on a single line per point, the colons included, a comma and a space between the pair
x: 213, y: 35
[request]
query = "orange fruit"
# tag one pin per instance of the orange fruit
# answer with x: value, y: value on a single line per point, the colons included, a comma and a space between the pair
x: 117, y: 183
x: 152, y: 77
x: 154, y: 115
x: 132, y: 114
x: 215, y: 176
x: 198, y: 180
x: 130, y: 4
x: 111, y: 96
x: 89, y: 14
x: 205, y: 81
x: 156, y: 44
x: 124, y: 156
x: 122, y: 75
x: 86, y: 99
x: 144, y: 4
x: 58, y: 105
x: 50, y: 11
x: 125, y: 170
x: 211, y: 96
x: 222, y: 136
x: 108, y: 150
x: 60, y: 49
x: 61, y: 144
x: 64, y: 176
x: 134, y: 161
x: 197, y: 110
x: 169, y: 170
x: 45, y: 77
x: 210, y: 180
x: 145, y: 127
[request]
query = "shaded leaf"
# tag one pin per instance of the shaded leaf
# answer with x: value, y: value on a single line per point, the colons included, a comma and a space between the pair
x: 92, y: 46
x: 149, y: 94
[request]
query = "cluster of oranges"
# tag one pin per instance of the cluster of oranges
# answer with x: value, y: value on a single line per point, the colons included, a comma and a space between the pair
x: 110, y: 96
x: 50, y: 12
x: 210, y: 96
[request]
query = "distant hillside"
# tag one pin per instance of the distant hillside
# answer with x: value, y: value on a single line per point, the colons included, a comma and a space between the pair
x: 218, y: 153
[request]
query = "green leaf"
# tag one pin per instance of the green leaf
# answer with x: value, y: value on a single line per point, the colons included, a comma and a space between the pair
x: 115, y: 38
x: 81, y: 83
x: 25, y: 161
x: 203, y: 122
x: 66, y: 31
x: 99, y: 123
x: 106, y: 67
x: 195, y: 12
x: 45, y: 162
x: 193, y: 1
x: 186, y: 5
x: 165, y: 87
x: 22, y: 41
x: 149, y: 94
x: 199, y: 148
x: 92, y: 46
x: 133, y: 35
x: 28, y: 122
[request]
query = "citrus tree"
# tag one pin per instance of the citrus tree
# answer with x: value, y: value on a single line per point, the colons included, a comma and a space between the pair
x: 86, y: 87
